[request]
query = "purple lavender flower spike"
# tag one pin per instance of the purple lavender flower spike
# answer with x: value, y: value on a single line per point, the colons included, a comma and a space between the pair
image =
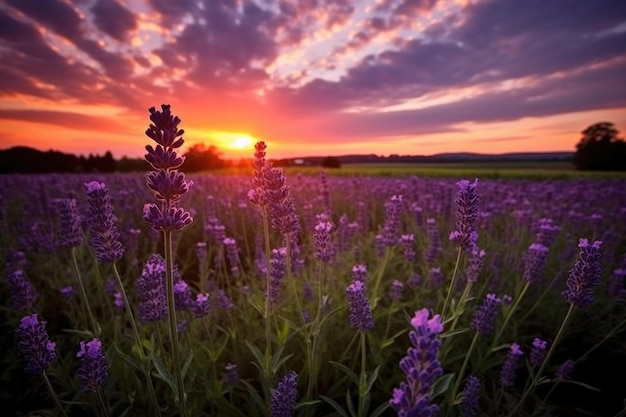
x: 201, y: 306
x: 397, y: 288
x: 507, y: 375
x: 434, y: 248
x: 233, y: 255
x: 22, y: 294
x: 421, y: 368
x: 324, y: 246
x: 93, y: 368
x: 408, y: 242
x: 359, y: 272
x: 167, y: 184
x: 565, y: 370
x: 182, y: 295
x: 231, y: 376
x: 585, y: 275
x: 360, y: 313
x: 535, y: 263
x: 35, y: 344
x: 477, y: 261
x: 258, y: 194
x: 285, y: 396
x: 484, y: 318
x: 465, y: 234
x: 538, y: 352
x: 283, y: 214
x: 104, y: 236
x: 393, y: 209
x: 151, y: 290
x: 470, y: 404
x: 70, y: 233
x: 277, y: 274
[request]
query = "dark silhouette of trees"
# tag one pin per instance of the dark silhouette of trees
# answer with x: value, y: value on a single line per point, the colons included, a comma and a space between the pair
x: 600, y: 149
x: 202, y: 158
x: 331, y: 162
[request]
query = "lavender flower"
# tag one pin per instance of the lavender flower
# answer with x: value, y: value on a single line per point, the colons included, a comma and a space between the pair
x: 93, y: 368
x: 258, y: 194
x: 435, y: 248
x: 22, y: 294
x: 182, y: 295
x: 231, y: 376
x: 477, y: 261
x: 35, y: 345
x: 201, y: 306
x: 507, y: 375
x: 67, y: 292
x: 277, y: 275
x: 421, y: 368
x: 414, y: 281
x: 397, y: 288
x: 151, y: 290
x: 284, y: 217
x: 324, y: 246
x: 408, y: 242
x: 538, y: 352
x: 70, y: 233
x: 103, y: 233
x: 393, y: 209
x: 359, y: 272
x: 565, y: 370
x: 471, y: 402
x: 435, y: 277
x: 222, y: 301
x: 233, y: 255
x: 484, y: 318
x: 546, y: 231
x: 535, y: 263
x: 284, y: 398
x: 465, y: 234
x: 585, y: 275
x: 360, y: 313
x: 167, y: 184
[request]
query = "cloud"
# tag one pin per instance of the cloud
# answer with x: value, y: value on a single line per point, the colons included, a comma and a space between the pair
x: 114, y: 19
x: 68, y: 120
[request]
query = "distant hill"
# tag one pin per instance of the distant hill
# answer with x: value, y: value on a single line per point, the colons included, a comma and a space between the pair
x: 442, y: 157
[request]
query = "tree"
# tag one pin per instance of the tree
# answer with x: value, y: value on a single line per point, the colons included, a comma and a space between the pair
x: 600, y: 149
x: 331, y: 162
x: 202, y: 158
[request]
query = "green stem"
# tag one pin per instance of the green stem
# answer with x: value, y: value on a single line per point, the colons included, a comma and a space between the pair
x: 181, y: 395
x: 379, y: 277
x: 105, y: 410
x: 452, y: 283
x: 362, y: 379
x: 267, y: 364
x: 537, y: 376
x: 53, y: 393
x: 83, y: 292
x: 459, y: 377
x: 507, y: 318
x: 138, y: 341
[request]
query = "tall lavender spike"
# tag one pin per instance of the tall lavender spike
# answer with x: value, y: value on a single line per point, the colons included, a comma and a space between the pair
x: 484, y: 318
x: 360, y: 313
x: 70, y: 233
x: 434, y: 248
x: 35, y: 344
x: 538, y: 352
x: 285, y: 396
x: 507, y: 375
x: 470, y: 404
x: 277, y: 275
x: 93, y: 368
x: 477, y: 261
x: 258, y: 194
x: 585, y: 275
x: 535, y: 263
x: 421, y: 368
x: 22, y: 293
x: 104, y: 236
x: 391, y: 228
x: 233, y: 255
x: 283, y: 214
x: 167, y: 184
x: 324, y: 246
x: 465, y: 235
x: 151, y: 290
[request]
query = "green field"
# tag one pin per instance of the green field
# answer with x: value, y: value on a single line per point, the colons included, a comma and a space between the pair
x: 492, y: 170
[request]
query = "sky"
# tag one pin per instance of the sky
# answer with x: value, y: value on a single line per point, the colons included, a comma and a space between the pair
x: 312, y: 77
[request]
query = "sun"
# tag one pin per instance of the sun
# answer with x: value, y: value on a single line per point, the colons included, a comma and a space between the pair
x: 234, y: 141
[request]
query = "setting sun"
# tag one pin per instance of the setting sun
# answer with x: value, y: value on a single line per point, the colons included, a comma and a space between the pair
x: 234, y: 141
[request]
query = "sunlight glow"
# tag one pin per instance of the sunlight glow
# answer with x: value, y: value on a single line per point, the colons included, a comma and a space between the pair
x: 234, y: 141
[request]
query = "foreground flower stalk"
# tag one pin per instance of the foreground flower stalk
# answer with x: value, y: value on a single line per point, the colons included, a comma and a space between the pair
x: 168, y: 186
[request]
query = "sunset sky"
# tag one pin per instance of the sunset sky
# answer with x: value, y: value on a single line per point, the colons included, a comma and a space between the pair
x: 312, y: 77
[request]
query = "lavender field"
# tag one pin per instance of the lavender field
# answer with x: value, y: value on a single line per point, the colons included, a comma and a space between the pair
x: 165, y: 294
